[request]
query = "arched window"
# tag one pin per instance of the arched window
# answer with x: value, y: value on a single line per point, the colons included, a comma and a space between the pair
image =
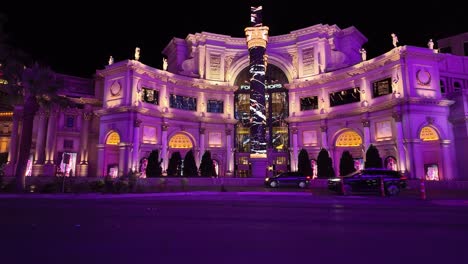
x: 349, y: 139
x: 391, y: 163
x: 442, y: 86
x: 456, y: 86
x: 428, y: 134
x: 113, y: 138
x: 180, y: 141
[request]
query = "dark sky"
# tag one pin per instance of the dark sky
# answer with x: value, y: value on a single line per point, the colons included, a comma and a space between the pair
x: 77, y: 38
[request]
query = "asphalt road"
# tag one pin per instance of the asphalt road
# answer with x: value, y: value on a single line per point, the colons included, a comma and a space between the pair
x: 216, y: 227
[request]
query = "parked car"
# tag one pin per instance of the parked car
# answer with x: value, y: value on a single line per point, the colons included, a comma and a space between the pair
x: 369, y: 180
x: 292, y: 179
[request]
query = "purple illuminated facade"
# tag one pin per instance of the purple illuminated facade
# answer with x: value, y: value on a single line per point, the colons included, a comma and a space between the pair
x: 317, y: 92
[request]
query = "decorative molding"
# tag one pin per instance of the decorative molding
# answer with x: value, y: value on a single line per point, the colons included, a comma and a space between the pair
x: 88, y: 116
x: 397, y: 116
x: 137, y: 123
x: 365, y: 122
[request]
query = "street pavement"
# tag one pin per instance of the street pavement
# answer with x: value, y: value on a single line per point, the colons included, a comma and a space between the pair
x: 286, y: 226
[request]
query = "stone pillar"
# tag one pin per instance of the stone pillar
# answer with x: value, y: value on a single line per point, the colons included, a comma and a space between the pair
x: 367, y: 138
x: 323, y: 130
x: 83, y: 166
x: 202, y: 145
x: 295, y: 150
x: 39, y: 152
x: 400, y: 142
x: 101, y: 160
x: 51, y: 142
x: 163, y: 154
x: 41, y: 137
x: 447, y: 159
x: 136, y: 145
x: 417, y: 170
x: 124, y: 155
x: 229, y: 158
x: 13, y: 149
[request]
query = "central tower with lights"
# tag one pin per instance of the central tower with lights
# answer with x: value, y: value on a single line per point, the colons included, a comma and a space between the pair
x: 257, y: 39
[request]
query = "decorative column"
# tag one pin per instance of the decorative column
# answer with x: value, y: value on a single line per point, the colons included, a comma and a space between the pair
x: 366, y: 126
x: 294, y: 158
x: 136, y: 144
x: 13, y: 148
x: 400, y: 142
x: 447, y: 158
x: 101, y: 161
x: 417, y: 170
x: 41, y: 137
x: 83, y: 167
x: 39, y: 153
x: 323, y: 130
x: 163, y: 154
x: 124, y: 159
x: 229, y: 158
x: 202, y: 145
x: 51, y: 142
x: 257, y: 38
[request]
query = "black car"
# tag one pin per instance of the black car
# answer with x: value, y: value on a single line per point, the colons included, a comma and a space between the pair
x: 292, y: 178
x: 369, y: 180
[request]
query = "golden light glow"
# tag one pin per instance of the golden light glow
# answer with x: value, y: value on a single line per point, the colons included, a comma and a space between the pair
x: 256, y: 36
x: 258, y: 155
x: 6, y: 114
x: 349, y: 139
x: 428, y: 134
x: 113, y: 139
x: 180, y: 141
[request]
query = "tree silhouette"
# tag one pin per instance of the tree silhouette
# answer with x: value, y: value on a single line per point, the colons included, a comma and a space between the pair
x: 190, y: 167
x: 373, y: 159
x: 154, y: 165
x: 346, y: 163
x: 173, y: 169
x: 206, y: 165
x: 304, y: 165
x: 324, y: 165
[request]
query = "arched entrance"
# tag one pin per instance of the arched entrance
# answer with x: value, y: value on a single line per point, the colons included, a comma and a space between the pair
x: 348, y: 140
x: 276, y: 130
x: 179, y: 144
x: 111, y: 160
x: 431, y: 155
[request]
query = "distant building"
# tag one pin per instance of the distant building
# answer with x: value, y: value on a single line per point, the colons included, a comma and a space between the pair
x: 409, y: 102
x: 456, y: 45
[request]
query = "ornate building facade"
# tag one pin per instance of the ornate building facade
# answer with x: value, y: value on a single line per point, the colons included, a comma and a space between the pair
x: 320, y: 92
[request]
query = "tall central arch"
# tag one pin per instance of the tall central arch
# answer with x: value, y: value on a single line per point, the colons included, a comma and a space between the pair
x: 277, y: 130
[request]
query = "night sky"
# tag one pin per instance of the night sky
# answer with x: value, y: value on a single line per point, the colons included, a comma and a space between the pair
x: 77, y: 38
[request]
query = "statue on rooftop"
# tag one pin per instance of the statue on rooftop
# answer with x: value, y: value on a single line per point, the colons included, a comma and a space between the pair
x: 430, y: 44
x: 363, y: 54
x: 137, y: 53
x: 394, y: 40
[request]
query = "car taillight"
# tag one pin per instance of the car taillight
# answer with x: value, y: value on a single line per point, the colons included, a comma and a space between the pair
x: 308, y: 178
x: 403, y: 178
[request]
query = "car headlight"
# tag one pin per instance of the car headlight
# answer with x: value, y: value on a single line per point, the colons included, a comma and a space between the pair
x: 266, y: 179
x: 335, y: 180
